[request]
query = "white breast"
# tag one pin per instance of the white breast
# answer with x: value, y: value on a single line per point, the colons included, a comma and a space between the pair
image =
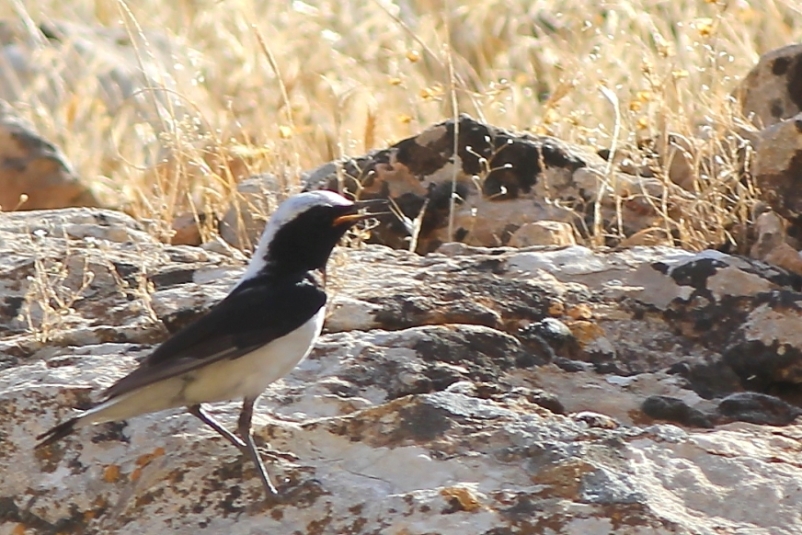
x: 249, y: 375
x: 246, y: 376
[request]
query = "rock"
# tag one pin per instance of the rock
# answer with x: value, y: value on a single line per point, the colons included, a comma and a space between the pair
x: 187, y: 229
x: 770, y: 97
x: 708, y: 379
x: 53, y: 260
x: 554, y: 334
x: 543, y: 233
x: 771, y: 245
x: 34, y: 174
x: 757, y: 408
x: 778, y: 165
x: 771, y: 91
x: 502, y: 182
x: 765, y: 354
x: 437, y: 400
x: 675, y: 410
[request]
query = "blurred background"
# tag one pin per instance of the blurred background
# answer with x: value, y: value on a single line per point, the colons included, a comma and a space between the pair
x: 163, y: 107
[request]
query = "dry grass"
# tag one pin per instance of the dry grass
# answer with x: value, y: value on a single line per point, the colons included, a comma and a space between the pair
x: 285, y: 86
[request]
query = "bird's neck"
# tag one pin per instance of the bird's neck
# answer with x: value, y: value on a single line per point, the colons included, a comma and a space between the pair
x: 269, y: 273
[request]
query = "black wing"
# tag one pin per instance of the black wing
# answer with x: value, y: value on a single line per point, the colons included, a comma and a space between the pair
x: 255, y: 313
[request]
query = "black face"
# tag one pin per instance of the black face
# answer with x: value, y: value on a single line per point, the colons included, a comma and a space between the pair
x: 306, y: 242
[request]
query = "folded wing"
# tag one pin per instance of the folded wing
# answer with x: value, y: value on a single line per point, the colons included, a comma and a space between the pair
x: 254, y: 314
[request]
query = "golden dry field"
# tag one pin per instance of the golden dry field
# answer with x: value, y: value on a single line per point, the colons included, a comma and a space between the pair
x: 259, y: 85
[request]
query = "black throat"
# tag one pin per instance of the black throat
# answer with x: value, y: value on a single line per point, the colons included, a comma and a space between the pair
x: 305, y: 243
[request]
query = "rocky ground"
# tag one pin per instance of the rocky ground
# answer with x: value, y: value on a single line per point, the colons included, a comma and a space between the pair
x: 493, y: 391
x: 505, y: 379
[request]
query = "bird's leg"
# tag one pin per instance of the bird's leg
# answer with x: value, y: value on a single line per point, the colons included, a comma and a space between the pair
x: 197, y: 410
x: 244, y: 429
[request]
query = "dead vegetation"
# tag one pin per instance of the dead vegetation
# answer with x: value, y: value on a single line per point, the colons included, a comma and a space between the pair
x: 288, y: 86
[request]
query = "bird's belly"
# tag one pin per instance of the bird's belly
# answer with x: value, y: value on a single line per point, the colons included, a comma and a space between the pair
x: 249, y: 375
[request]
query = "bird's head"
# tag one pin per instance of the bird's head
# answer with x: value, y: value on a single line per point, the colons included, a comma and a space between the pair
x: 303, y: 231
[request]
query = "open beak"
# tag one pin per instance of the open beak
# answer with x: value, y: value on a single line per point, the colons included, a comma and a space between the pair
x: 350, y: 219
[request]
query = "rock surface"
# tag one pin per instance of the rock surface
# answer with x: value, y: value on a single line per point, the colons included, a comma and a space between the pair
x: 778, y: 167
x: 488, y: 391
x: 772, y: 244
x: 771, y: 98
x: 772, y: 91
x: 501, y: 181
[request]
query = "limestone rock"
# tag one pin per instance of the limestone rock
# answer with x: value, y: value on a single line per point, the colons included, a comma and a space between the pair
x: 778, y: 166
x: 473, y: 390
x: 772, y: 91
x: 771, y: 97
x: 500, y: 180
x: 34, y: 174
x: 543, y: 233
x: 771, y: 245
x: 186, y: 229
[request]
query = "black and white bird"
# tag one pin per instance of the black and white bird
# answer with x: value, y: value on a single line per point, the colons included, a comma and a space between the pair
x: 256, y: 335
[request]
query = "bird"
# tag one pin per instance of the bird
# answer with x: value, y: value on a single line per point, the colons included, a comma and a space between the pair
x: 258, y: 333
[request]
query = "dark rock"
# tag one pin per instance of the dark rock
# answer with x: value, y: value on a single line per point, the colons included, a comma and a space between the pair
x: 708, y: 379
x: 553, y: 332
x: 572, y: 365
x: 485, y: 351
x: 674, y: 410
x: 757, y: 408
x: 454, y: 298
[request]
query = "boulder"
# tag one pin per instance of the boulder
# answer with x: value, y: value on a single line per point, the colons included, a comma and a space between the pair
x: 543, y: 233
x: 499, y: 181
x: 778, y: 167
x: 772, y: 91
x: 772, y: 242
x: 34, y: 174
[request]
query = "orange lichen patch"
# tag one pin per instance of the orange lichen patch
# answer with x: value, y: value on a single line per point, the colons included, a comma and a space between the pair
x: 136, y: 474
x: 585, y: 331
x: 564, y: 480
x: 580, y: 312
x: 466, y: 499
x: 148, y: 457
x: 19, y: 529
x: 144, y: 460
x: 638, y: 417
x: 111, y: 473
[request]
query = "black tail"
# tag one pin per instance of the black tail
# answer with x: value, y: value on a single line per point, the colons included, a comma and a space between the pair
x: 57, y: 433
